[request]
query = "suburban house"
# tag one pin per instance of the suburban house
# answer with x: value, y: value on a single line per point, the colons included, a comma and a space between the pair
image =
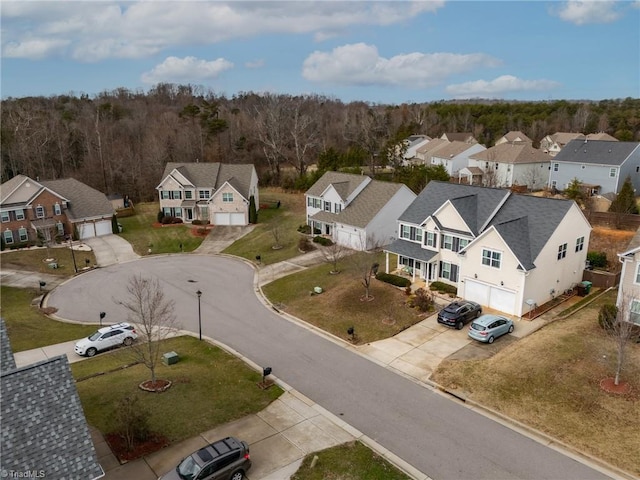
x: 424, y: 152
x: 216, y: 193
x: 466, y: 137
x: 552, y: 144
x: 629, y: 288
x: 453, y: 156
x: 600, y: 165
x: 412, y: 143
x: 45, y: 210
x: 506, y: 251
x: 510, y: 164
x: 513, y: 137
x: 44, y: 430
x: 356, y: 211
x: 601, y: 136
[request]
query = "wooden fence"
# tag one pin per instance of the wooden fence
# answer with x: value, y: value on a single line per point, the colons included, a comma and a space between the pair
x: 614, y: 220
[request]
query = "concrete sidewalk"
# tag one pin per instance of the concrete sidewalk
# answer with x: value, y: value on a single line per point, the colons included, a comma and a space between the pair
x: 111, y: 249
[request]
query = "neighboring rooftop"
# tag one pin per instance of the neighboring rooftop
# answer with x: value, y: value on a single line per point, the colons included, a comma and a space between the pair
x: 597, y: 152
x: 344, y: 183
x: 512, y: 153
x: 214, y: 175
x: 84, y: 201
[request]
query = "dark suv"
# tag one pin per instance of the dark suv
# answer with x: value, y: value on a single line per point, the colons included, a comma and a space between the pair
x: 456, y: 314
x: 226, y: 459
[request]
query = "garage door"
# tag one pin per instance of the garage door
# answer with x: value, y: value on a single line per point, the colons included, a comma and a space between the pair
x: 502, y: 300
x: 237, y: 219
x: 86, y: 230
x: 224, y: 218
x: 103, y: 227
x: 476, y: 292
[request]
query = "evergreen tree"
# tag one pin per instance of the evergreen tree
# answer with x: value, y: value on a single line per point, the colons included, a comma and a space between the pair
x: 253, y: 213
x: 625, y: 201
x: 575, y: 191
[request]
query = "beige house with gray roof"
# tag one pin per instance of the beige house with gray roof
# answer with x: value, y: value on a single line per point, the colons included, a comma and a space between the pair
x: 215, y: 193
x: 356, y: 211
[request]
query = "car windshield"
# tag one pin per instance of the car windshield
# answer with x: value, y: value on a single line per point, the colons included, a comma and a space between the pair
x: 94, y: 336
x: 188, y: 468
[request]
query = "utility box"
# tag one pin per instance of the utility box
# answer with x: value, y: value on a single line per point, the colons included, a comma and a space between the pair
x: 170, y: 358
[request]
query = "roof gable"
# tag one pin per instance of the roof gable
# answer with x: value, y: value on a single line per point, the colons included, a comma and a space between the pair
x: 596, y: 152
x: 343, y: 183
x: 20, y: 190
x: 212, y: 175
x: 82, y: 200
x: 512, y: 153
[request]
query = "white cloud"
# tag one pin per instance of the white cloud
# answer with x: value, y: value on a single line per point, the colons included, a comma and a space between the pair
x: 498, y: 87
x: 119, y: 29
x: 582, y: 12
x: 361, y: 64
x: 188, y: 69
x: 34, y: 49
x: 255, y: 64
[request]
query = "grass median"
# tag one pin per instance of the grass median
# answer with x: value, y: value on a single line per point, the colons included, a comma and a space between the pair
x: 39, y: 260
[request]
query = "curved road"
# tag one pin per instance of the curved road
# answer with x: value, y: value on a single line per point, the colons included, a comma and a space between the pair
x: 440, y: 437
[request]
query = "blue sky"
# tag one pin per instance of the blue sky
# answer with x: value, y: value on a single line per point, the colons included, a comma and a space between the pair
x: 378, y: 52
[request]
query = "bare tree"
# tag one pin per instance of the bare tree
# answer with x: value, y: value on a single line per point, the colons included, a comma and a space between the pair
x: 333, y: 253
x: 276, y: 232
x: 532, y: 176
x: 365, y: 264
x: 304, y: 132
x: 154, y: 317
x: 620, y: 330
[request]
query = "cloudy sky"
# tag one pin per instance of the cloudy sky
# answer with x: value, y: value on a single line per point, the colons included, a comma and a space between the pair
x: 379, y: 52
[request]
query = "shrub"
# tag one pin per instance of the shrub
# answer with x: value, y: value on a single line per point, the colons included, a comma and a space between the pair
x: 304, y: 245
x: 306, y: 229
x: 396, y: 280
x: 176, y: 220
x: 325, y: 242
x: 160, y: 216
x: 131, y: 421
x: 423, y: 300
x: 607, y: 315
x: 196, y: 222
x: 597, y: 259
x: 166, y: 220
x: 443, y: 288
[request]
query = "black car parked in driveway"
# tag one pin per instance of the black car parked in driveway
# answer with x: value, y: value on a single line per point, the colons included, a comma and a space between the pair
x: 456, y: 314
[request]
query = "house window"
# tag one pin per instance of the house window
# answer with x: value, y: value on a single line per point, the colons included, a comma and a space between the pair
x: 556, y: 167
x: 327, y: 206
x: 188, y: 195
x: 164, y: 194
x: 166, y: 211
x: 177, y: 194
x: 405, y: 231
x: 227, y: 197
x: 449, y: 271
x: 411, y: 233
x: 447, y: 242
x: 634, y: 312
x: 579, y: 244
x: 178, y: 212
x: 40, y: 211
x: 554, y: 183
x: 19, y: 215
x: 8, y: 237
x: 337, y: 207
x: 317, y: 203
x: 491, y: 258
x: 638, y: 273
x: 22, y: 234
x: 612, y: 172
x: 56, y: 209
x: 562, y: 251
x: 204, y: 194
x: 5, y: 216
x: 430, y: 239
x: 463, y: 243
x: 309, y: 202
x: 60, y: 227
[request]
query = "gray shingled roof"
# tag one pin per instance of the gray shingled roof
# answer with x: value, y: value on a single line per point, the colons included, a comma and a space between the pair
x: 7, y: 362
x: 633, y: 246
x: 512, y: 153
x: 43, y: 424
x: 214, y: 175
x: 7, y: 188
x: 84, y: 201
x: 600, y: 152
x: 365, y: 206
x: 344, y: 183
x: 410, y: 249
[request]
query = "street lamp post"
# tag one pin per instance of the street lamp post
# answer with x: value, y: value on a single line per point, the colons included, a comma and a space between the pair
x: 75, y: 267
x: 199, y: 293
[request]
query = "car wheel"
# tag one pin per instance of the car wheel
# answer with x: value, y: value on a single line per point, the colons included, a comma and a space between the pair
x: 511, y: 329
x: 127, y: 341
x: 239, y: 475
x: 459, y: 325
x: 91, y: 352
x: 490, y: 339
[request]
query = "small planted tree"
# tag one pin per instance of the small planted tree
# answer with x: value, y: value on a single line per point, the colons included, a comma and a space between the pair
x: 332, y: 254
x: 620, y: 329
x: 131, y: 421
x: 154, y: 318
x: 253, y: 212
x: 276, y: 232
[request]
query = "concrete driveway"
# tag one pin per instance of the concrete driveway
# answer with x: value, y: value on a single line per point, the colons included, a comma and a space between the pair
x: 111, y: 249
x: 221, y: 236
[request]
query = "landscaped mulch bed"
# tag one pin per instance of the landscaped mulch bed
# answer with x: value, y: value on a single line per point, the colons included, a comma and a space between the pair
x: 119, y: 446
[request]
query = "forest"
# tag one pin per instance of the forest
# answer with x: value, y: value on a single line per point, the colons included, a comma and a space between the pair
x: 119, y: 141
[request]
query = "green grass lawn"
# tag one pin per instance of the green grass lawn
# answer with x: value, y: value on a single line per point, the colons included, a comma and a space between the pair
x: 340, y: 306
x: 348, y: 461
x: 285, y: 220
x: 210, y: 387
x: 29, y: 328
x: 140, y: 232
x: 34, y: 260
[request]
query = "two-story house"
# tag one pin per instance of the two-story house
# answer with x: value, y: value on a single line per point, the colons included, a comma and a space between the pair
x: 514, y: 136
x: 33, y: 210
x: 600, y: 165
x: 215, y: 193
x: 453, y: 156
x: 629, y: 289
x: 552, y: 144
x: 356, y: 211
x: 505, y: 251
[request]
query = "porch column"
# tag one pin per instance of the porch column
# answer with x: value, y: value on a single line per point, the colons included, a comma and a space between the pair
x: 386, y: 262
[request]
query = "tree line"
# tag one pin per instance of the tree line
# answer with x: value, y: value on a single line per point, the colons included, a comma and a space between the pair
x: 120, y: 141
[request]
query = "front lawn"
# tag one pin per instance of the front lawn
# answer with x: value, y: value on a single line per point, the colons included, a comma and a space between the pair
x: 210, y: 387
x: 550, y: 380
x: 340, y: 306
x: 347, y: 461
x: 140, y: 232
x: 35, y: 260
x: 29, y: 328
x: 282, y: 221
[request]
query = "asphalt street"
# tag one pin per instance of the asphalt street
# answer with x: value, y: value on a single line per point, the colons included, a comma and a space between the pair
x: 441, y: 437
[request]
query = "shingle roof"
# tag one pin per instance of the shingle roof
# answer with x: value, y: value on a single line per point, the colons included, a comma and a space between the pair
x: 7, y: 188
x: 43, y: 424
x: 410, y: 249
x: 562, y: 138
x: 365, y: 206
x: 512, y: 153
x: 516, y: 136
x: 597, y: 152
x: 84, y: 201
x: 214, y: 175
x: 460, y: 136
x: 601, y: 136
x: 7, y: 362
x: 344, y: 183
x: 633, y: 246
x: 451, y: 149
x: 433, y: 145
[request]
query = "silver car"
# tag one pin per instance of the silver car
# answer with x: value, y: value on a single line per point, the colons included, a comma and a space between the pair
x: 489, y: 327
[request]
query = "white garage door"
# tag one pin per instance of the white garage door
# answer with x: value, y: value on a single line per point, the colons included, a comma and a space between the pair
x: 103, y: 227
x: 502, y: 300
x: 228, y: 219
x: 476, y: 292
x: 86, y: 230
